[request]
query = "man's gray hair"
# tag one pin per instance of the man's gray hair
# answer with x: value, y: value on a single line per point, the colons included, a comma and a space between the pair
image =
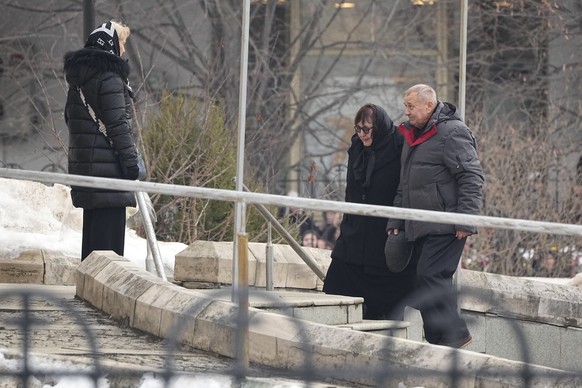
x: 425, y: 92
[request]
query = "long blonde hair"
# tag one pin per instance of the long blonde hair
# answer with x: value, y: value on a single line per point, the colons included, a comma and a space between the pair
x: 123, y: 31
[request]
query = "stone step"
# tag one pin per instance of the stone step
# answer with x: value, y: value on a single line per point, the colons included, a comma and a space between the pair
x: 211, y: 262
x: 311, y: 306
x: 390, y: 328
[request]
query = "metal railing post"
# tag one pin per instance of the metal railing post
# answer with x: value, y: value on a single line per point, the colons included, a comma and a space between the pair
x: 150, y: 233
x: 269, y: 284
x: 242, y: 350
x: 289, y: 239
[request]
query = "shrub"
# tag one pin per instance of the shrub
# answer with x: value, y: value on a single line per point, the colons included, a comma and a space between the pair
x: 187, y: 143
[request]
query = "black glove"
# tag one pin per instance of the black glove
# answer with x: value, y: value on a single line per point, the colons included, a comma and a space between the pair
x: 131, y: 172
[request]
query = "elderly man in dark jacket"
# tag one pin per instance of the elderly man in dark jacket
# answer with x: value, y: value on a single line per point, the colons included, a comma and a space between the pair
x: 99, y: 94
x: 441, y: 172
x: 358, y: 266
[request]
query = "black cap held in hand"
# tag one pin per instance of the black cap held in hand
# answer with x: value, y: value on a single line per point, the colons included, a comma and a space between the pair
x: 397, y: 251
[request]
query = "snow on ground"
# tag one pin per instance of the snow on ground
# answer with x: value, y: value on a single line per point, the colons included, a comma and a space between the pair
x: 74, y: 376
x: 38, y: 216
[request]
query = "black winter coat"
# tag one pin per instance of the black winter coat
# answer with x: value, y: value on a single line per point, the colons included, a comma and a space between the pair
x: 362, y: 238
x: 103, y: 79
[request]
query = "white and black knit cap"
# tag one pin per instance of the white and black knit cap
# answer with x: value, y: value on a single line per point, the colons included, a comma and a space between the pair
x: 104, y: 38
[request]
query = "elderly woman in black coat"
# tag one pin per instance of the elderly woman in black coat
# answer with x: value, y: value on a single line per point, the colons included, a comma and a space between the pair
x: 358, y: 266
x: 99, y: 93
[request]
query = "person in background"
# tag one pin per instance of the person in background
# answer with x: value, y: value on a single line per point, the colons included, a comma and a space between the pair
x: 330, y: 228
x: 324, y: 244
x: 310, y: 239
x: 358, y: 266
x: 442, y: 172
x: 296, y: 217
x: 99, y: 90
x: 545, y: 266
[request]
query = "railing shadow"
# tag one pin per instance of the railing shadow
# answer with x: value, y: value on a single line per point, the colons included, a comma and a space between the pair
x: 452, y: 371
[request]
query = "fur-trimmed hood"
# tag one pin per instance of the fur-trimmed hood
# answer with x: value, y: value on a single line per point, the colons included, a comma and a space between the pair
x: 83, y: 64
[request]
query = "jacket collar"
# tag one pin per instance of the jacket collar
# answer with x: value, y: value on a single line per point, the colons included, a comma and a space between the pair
x: 95, y: 61
x: 408, y: 132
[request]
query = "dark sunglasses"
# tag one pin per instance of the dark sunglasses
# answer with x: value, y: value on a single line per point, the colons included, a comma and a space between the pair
x: 360, y: 129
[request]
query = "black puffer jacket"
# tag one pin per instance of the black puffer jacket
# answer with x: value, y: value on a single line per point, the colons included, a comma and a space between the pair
x: 362, y: 238
x: 440, y: 171
x: 103, y: 79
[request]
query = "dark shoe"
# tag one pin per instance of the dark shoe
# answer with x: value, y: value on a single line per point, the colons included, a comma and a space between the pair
x: 460, y: 344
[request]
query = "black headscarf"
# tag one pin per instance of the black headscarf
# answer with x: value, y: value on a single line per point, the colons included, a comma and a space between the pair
x: 381, y: 152
x: 104, y: 38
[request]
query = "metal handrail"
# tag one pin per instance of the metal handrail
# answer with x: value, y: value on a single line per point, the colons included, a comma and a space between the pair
x: 311, y: 263
x: 306, y: 203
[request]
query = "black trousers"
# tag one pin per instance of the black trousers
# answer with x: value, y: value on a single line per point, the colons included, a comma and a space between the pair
x: 103, y: 229
x: 384, y: 292
x: 436, y: 259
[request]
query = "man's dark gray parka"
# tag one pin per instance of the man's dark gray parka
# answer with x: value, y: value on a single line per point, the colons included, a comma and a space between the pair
x: 440, y: 171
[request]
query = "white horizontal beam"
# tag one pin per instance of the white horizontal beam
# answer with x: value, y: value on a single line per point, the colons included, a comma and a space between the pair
x: 296, y: 202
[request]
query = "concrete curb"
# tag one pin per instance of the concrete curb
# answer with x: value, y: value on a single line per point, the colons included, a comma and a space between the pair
x: 119, y: 288
x: 39, y: 266
x: 482, y: 292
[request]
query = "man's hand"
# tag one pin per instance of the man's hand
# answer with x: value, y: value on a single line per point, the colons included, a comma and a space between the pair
x: 392, y: 231
x: 462, y: 234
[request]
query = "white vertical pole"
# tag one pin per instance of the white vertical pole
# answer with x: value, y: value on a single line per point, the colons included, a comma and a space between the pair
x: 462, y: 86
x: 239, y: 211
x: 294, y: 174
x: 269, y: 284
x: 463, y: 58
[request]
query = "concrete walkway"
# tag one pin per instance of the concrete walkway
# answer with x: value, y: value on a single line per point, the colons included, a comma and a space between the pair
x: 550, y: 315
x: 58, y: 338
x: 117, y: 287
